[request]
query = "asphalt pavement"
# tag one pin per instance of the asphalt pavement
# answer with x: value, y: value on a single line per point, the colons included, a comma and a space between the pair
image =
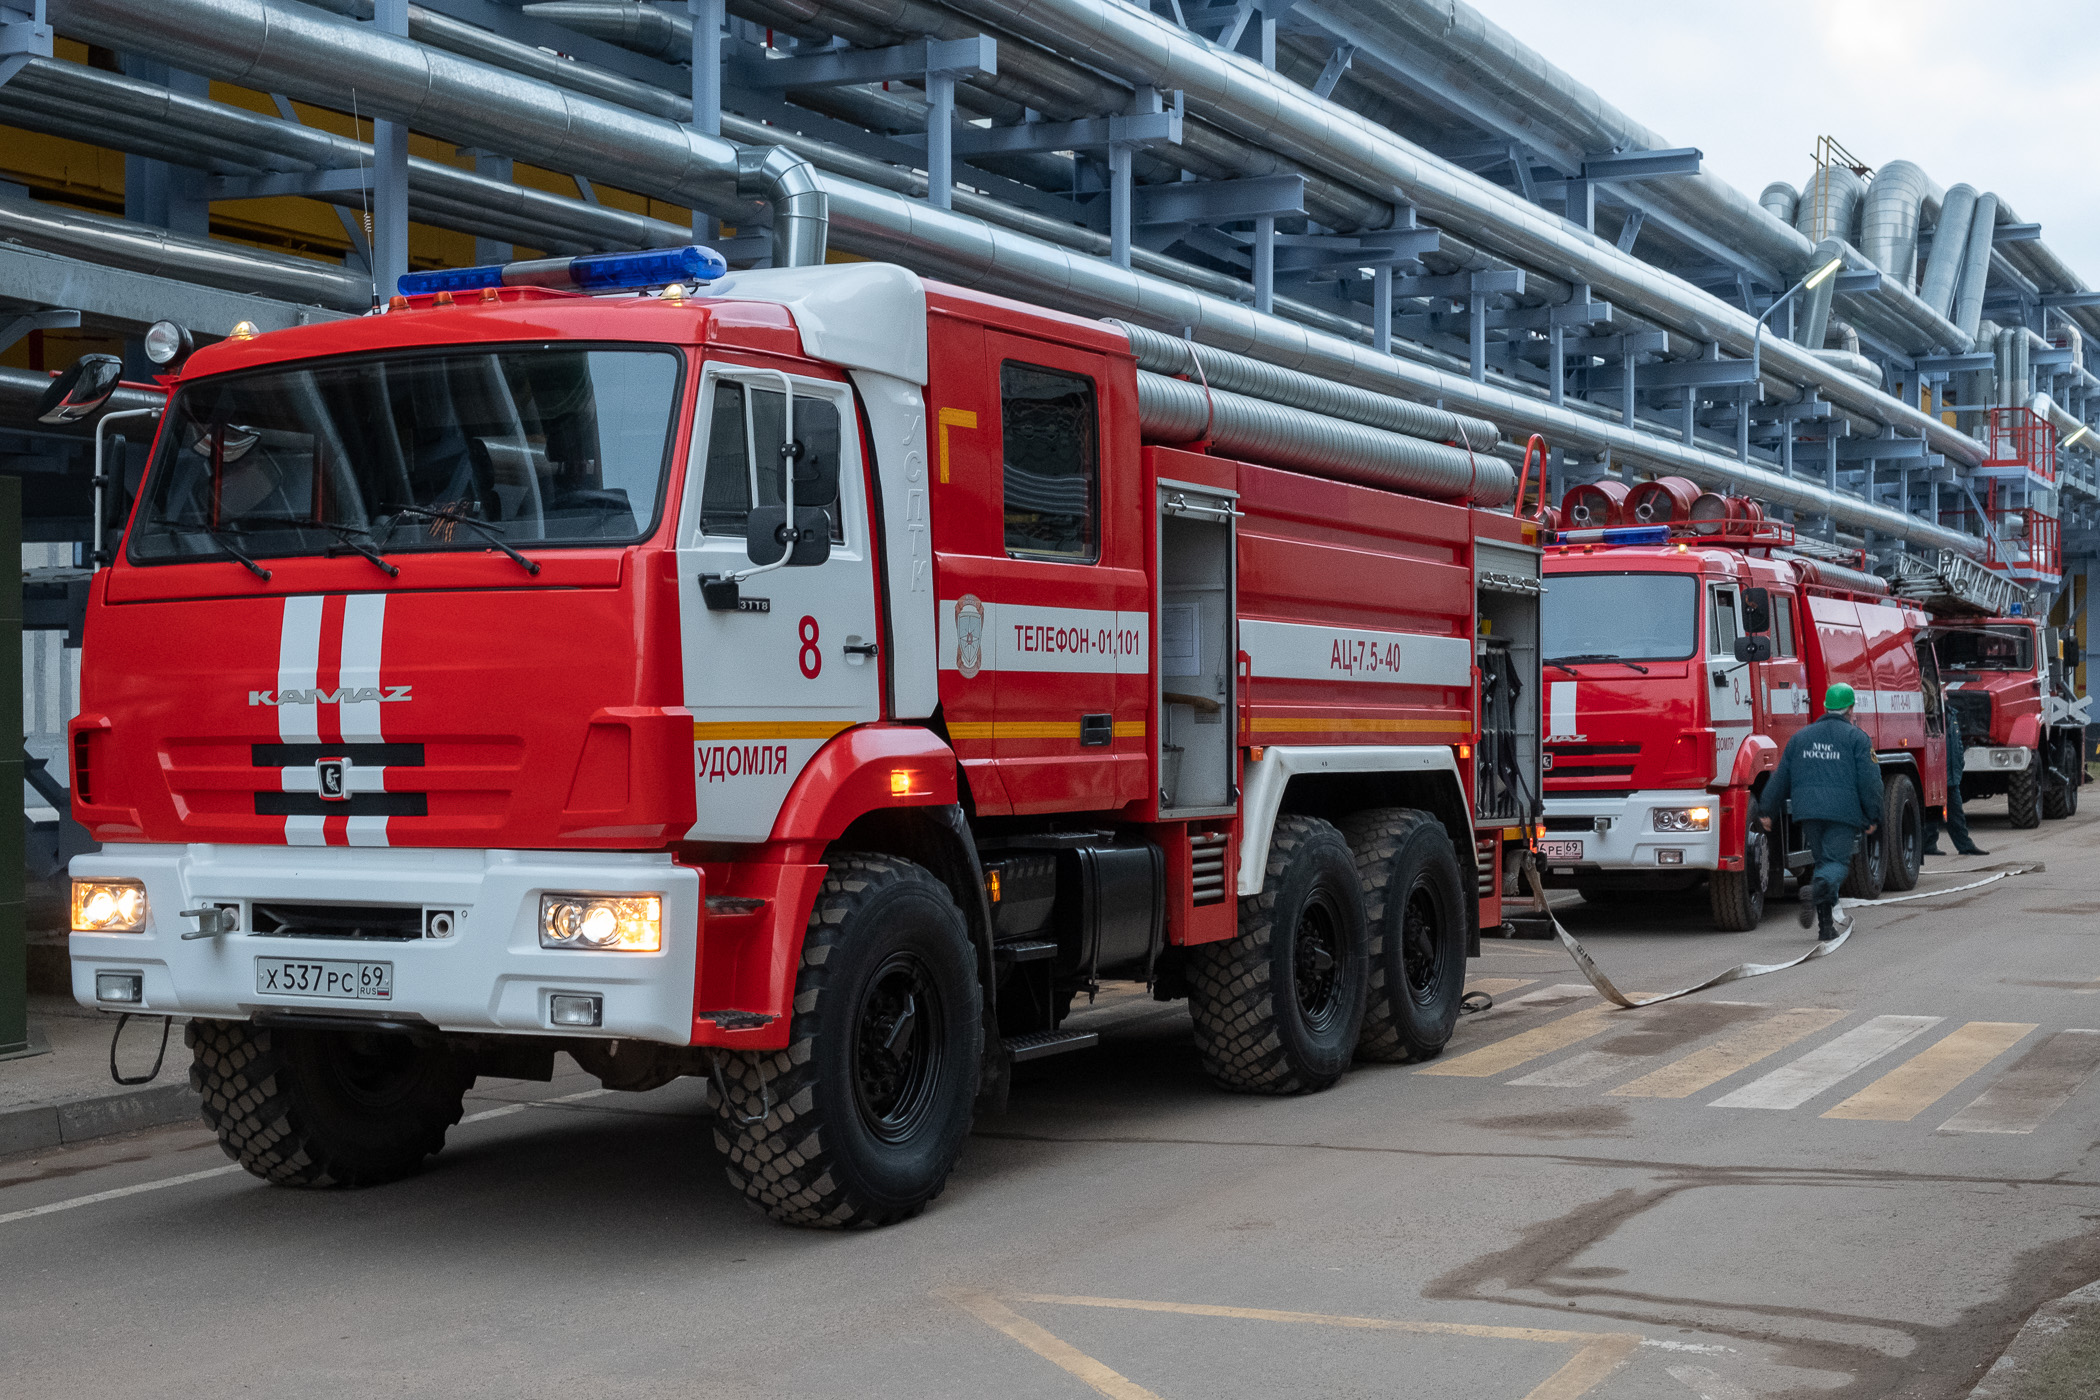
x: 1853, y: 1178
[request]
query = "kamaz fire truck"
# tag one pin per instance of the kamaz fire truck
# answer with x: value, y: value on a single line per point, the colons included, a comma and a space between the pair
x: 2008, y: 681
x: 1680, y: 655
x: 813, y: 680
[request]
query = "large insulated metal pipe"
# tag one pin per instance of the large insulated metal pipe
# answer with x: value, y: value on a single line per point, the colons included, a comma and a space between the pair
x: 1812, y: 317
x: 1830, y: 203
x: 470, y: 102
x: 120, y: 243
x: 1950, y: 243
x: 1182, y: 410
x: 1888, y: 222
x: 1781, y: 201
x: 1976, y: 263
x: 1241, y: 96
x: 310, y: 54
x: 1239, y: 374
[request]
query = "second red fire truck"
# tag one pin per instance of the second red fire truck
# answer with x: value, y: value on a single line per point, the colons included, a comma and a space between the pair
x: 1680, y: 655
x: 814, y: 682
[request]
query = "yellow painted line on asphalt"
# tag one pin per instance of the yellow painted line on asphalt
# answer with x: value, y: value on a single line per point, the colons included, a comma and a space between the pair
x: 2039, y: 1083
x: 1730, y: 1055
x: 1933, y: 1073
x: 1053, y: 1349
x: 1504, y: 1055
x: 1496, y: 986
x: 1600, y: 1354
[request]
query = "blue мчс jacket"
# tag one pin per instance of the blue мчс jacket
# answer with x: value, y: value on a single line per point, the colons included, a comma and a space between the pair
x: 1828, y: 770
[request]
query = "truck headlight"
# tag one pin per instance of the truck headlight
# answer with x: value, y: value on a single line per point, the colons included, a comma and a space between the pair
x: 108, y: 906
x: 1683, y: 818
x: 607, y: 923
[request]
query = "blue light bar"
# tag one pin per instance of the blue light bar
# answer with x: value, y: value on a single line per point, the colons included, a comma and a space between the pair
x: 1617, y: 534
x: 591, y: 272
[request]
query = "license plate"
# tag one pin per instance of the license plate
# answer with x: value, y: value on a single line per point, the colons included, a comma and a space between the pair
x: 353, y: 981
x: 1561, y: 850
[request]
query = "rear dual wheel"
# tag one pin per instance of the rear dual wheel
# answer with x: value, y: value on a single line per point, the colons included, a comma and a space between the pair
x: 2060, y: 784
x: 1415, y: 912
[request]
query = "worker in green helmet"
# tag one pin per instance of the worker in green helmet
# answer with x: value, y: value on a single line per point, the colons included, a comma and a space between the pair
x: 1828, y: 771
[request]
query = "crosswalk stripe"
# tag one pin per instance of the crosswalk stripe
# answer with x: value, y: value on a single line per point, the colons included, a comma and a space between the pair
x: 1826, y: 1066
x: 1730, y: 1055
x: 1647, y: 1036
x: 1933, y: 1073
x: 1496, y: 986
x: 1527, y: 1045
x: 2039, y: 1082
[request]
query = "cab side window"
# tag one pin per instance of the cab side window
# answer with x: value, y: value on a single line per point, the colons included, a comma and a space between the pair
x: 1782, y: 625
x: 1050, y: 429
x: 744, y: 438
x: 1721, y: 630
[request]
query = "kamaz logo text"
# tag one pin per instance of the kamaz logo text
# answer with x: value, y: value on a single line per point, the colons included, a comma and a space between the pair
x: 344, y: 696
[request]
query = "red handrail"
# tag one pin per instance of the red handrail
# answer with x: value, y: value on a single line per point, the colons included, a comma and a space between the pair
x: 1537, y: 444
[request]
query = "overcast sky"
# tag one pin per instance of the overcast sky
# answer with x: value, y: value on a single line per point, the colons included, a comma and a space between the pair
x: 2005, y: 96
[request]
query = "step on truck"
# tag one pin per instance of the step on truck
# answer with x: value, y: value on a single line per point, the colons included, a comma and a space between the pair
x: 1679, y: 657
x: 2008, y: 681
x: 818, y: 681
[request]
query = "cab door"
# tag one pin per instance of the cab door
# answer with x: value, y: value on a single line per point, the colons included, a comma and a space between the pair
x: 1782, y: 683
x: 1728, y: 686
x: 796, y: 658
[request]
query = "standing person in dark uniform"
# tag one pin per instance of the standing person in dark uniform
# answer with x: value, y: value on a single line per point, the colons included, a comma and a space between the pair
x: 1828, y: 770
x: 1957, y: 821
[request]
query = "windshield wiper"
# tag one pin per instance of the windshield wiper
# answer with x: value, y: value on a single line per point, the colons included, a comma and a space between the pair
x: 218, y: 537
x: 1568, y: 663
x: 488, y: 531
x: 343, y: 532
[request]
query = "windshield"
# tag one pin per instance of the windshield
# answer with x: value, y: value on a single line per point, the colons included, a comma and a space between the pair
x: 1986, y: 649
x: 1621, y: 617
x: 528, y: 445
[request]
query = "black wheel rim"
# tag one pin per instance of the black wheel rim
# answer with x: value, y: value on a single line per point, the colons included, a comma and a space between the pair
x: 1913, y: 836
x: 1757, y: 867
x: 1421, y: 950
x: 1317, y: 962
x: 376, y: 1071
x: 899, y: 1042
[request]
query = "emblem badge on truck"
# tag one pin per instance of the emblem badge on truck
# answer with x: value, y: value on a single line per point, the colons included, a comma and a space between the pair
x: 969, y: 635
x: 333, y: 778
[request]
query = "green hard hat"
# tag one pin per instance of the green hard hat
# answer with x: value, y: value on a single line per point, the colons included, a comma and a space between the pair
x: 1839, y: 697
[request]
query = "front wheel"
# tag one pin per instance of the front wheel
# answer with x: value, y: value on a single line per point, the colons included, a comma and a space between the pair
x: 1278, y: 1007
x: 2023, y: 793
x: 1737, y: 897
x: 324, y: 1107
x: 1903, y: 833
x: 1415, y: 911
x: 861, y: 1118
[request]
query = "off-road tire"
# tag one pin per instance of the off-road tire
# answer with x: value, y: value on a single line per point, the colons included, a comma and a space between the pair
x: 1902, y: 833
x: 2060, y: 800
x: 1255, y: 1031
x: 836, y: 1131
x: 1409, y: 872
x: 2023, y: 793
x: 1737, y: 897
x: 323, y: 1107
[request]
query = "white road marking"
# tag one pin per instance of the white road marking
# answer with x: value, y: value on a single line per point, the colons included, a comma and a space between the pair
x: 1587, y: 1068
x: 510, y: 1108
x: 1793, y: 1085
x: 1708, y: 1385
x: 119, y: 1193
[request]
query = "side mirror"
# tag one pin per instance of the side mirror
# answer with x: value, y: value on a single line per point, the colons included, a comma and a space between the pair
x: 767, y: 536
x: 1753, y: 648
x: 2073, y: 653
x: 1757, y: 610
x: 81, y: 390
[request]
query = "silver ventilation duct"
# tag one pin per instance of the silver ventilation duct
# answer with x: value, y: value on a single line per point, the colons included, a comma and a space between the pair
x: 1888, y: 220
x: 1830, y: 204
x: 1950, y: 242
x: 1255, y: 430
x: 634, y: 27
x: 311, y: 53
x: 1781, y: 201
x: 1244, y: 97
x: 1976, y: 264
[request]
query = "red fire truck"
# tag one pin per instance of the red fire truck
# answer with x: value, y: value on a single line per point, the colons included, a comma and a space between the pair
x: 2023, y: 726
x: 1679, y: 658
x: 813, y: 682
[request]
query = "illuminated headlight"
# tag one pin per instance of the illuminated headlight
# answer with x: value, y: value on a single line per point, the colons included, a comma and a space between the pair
x: 615, y: 923
x: 1683, y: 818
x: 108, y: 906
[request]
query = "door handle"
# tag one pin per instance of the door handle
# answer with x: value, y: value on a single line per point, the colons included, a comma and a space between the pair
x: 859, y: 648
x: 1096, y: 731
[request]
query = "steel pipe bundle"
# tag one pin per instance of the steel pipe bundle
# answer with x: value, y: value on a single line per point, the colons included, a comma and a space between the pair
x: 1184, y: 411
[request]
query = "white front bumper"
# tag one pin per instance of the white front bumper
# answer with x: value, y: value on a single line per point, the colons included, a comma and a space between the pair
x: 1990, y: 760
x: 1630, y: 841
x: 490, y: 975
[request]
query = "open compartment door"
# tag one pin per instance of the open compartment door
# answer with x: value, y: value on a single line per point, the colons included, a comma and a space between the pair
x: 1198, y: 736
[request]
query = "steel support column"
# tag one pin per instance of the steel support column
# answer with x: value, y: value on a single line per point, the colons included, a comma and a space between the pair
x: 389, y: 174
